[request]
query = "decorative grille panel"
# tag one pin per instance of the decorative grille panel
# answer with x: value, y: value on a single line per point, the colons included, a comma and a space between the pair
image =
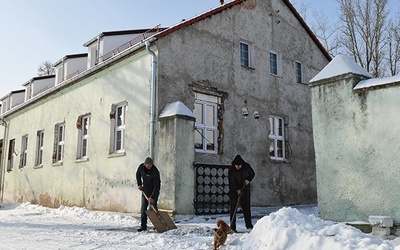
x: 212, y: 189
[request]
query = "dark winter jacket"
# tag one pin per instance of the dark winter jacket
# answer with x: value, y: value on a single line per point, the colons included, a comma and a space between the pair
x: 149, y: 179
x: 237, y: 177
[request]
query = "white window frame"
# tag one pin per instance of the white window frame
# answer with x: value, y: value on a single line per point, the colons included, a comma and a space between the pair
x: 297, y: 75
x: 11, y: 154
x: 249, y: 58
x: 84, y: 137
x: 39, y: 148
x: 201, y: 128
x: 59, y: 141
x: 276, y: 135
x: 118, y: 128
x: 24, y: 151
x: 277, y: 65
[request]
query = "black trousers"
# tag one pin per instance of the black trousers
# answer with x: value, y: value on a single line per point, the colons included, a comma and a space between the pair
x: 244, y: 203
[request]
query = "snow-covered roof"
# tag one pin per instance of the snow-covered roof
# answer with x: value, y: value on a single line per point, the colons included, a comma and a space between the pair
x: 340, y: 65
x: 176, y: 108
x: 375, y: 82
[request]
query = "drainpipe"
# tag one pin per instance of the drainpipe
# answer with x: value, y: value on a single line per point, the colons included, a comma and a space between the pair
x: 153, y: 97
x: 3, y: 159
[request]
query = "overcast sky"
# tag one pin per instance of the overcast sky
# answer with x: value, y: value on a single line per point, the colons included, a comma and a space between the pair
x: 32, y: 32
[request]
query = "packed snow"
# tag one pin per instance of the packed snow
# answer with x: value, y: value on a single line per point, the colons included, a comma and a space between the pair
x: 28, y: 226
x: 340, y: 65
x: 378, y: 82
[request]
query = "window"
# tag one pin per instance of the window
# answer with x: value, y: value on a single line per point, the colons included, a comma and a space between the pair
x: 299, y: 72
x: 206, y: 134
x: 246, y: 54
x: 11, y: 154
x: 277, y: 138
x: 59, y: 138
x: 83, y: 125
x: 39, y: 148
x: 117, y: 115
x: 24, y: 151
x: 275, y: 65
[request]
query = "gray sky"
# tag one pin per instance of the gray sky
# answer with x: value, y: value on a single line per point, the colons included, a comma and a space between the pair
x: 32, y: 32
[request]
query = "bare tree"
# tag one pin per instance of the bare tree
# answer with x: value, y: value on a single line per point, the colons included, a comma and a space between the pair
x: 364, y: 33
x: 393, y: 43
x: 326, y: 32
x: 45, y: 69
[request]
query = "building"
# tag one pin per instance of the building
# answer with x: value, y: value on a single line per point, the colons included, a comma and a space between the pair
x: 229, y: 81
x: 355, y: 121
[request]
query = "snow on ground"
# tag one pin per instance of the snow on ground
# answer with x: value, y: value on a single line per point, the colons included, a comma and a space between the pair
x: 27, y: 226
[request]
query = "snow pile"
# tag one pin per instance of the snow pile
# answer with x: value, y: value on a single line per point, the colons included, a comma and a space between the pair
x: 28, y: 226
x: 78, y: 213
x: 290, y: 229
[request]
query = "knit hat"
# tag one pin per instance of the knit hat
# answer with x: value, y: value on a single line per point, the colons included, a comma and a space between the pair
x: 148, y: 161
x: 238, y: 160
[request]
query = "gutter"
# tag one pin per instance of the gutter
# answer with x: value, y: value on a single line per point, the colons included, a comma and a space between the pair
x: 3, y: 159
x: 153, y: 96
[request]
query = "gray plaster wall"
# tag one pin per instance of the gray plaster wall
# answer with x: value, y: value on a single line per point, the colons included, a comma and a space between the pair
x: 356, y: 145
x: 175, y: 151
x: 208, y: 51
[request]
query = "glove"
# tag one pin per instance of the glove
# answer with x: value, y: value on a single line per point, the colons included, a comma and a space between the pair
x: 239, y: 192
x: 140, y: 188
x: 246, y: 182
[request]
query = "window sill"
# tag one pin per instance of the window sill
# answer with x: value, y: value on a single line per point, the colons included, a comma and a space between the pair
x: 279, y: 76
x: 56, y: 164
x: 279, y: 160
x: 38, y: 166
x: 248, y: 67
x: 82, y: 160
x: 206, y: 152
x: 119, y: 154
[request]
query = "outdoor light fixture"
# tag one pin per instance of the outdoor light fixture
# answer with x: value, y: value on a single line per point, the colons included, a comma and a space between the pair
x: 245, y: 111
x: 256, y: 115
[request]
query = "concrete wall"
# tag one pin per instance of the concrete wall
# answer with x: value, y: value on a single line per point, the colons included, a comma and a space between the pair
x: 104, y: 181
x: 356, y: 145
x: 208, y: 51
x: 175, y: 153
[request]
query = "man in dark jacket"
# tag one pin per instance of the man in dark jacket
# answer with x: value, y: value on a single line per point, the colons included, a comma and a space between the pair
x: 240, y: 174
x: 148, y: 181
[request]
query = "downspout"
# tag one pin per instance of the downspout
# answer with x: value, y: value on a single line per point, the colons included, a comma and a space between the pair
x: 3, y: 159
x: 153, y: 97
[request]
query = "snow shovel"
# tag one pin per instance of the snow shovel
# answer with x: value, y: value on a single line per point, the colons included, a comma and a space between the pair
x: 160, y: 219
x: 237, y: 203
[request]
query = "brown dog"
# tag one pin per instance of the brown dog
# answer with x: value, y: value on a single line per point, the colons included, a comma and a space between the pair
x: 221, y: 233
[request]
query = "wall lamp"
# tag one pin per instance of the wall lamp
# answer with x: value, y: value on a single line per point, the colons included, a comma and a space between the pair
x: 245, y: 112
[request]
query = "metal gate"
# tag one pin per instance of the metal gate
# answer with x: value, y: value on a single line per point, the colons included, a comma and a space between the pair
x: 212, y: 189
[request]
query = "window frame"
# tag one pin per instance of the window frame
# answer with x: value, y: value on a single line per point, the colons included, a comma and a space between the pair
x: 207, y: 101
x: 84, y: 121
x: 277, y: 65
x: 249, y: 59
x: 11, y: 155
x: 24, y: 151
x: 277, y: 133
x: 59, y: 142
x: 39, y: 148
x: 297, y: 76
x: 116, y: 128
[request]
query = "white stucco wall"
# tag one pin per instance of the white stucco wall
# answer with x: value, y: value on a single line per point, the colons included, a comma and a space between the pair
x: 103, y: 182
x: 175, y: 151
x: 356, y: 145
